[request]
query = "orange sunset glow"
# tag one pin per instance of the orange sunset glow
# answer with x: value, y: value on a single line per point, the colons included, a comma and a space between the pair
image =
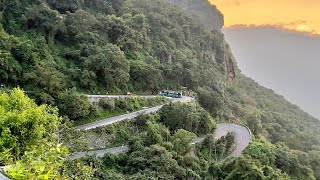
x: 297, y: 15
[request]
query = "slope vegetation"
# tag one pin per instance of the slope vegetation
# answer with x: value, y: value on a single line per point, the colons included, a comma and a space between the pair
x: 56, y: 49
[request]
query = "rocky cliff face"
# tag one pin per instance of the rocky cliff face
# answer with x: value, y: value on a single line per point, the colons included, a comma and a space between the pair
x: 202, y: 10
x: 223, y: 57
x: 208, y: 15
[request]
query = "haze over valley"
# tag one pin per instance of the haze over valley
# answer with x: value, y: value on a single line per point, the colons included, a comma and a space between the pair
x: 285, y: 61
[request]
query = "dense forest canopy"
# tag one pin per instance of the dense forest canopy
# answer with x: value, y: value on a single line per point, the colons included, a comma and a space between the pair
x: 56, y: 49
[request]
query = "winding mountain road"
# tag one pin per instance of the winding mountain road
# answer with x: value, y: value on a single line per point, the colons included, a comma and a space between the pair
x: 104, y: 122
x: 112, y: 120
x: 242, y: 134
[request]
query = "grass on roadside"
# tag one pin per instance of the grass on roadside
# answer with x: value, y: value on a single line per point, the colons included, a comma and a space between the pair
x: 102, y: 115
x: 107, y: 108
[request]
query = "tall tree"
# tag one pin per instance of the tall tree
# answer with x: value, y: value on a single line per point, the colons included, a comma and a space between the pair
x: 110, y: 67
x: 41, y: 17
x: 145, y: 77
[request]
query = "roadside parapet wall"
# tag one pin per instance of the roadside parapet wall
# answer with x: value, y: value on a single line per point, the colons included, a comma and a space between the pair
x: 96, y: 98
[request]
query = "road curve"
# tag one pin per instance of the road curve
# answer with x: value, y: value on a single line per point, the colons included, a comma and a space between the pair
x: 242, y: 136
x: 112, y: 120
x: 241, y: 133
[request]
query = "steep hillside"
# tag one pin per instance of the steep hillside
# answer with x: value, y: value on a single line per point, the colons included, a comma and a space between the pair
x: 56, y: 49
x: 202, y: 10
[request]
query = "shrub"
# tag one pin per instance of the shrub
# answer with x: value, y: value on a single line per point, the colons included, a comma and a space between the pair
x: 135, y: 103
x: 185, y: 116
x: 73, y: 104
x: 110, y: 129
x: 107, y: 104
x: 121, y: 104
x: 94, y: 110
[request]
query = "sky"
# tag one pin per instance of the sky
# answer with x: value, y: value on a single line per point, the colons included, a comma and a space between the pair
x: 287, y: 62
x: 298, y: 15
x: 277, y: 43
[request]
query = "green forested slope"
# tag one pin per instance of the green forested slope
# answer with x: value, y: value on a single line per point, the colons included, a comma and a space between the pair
x: 113, y: 46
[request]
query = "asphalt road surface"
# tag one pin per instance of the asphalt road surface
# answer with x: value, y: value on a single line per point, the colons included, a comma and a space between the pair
x: 241, y: 133
x: 112, y: 120
x: 242, y: 136
x: 2, y: 169
x: 2, y: 177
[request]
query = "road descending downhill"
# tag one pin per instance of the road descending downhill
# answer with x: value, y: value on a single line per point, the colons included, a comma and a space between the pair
x: 112, y: 120
x: 242, y: 134
x: 104, y: 122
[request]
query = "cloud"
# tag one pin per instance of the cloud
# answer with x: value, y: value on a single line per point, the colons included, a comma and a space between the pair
x: 291, y: 15
x: 299, y: 27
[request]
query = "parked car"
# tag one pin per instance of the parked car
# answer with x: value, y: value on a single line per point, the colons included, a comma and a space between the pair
x: 164, y: 93
x: 172, y: 94
x: 177, y: 95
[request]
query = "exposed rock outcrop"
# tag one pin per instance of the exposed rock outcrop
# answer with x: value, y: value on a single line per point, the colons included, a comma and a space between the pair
x: 230, y: 68
x: 202, y: 10
x: 223, y: 57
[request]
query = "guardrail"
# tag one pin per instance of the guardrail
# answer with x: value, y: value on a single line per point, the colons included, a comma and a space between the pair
x: 250, y: 133
x: 96, y: 98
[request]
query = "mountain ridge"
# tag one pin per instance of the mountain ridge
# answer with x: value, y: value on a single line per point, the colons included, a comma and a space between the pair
x: 202, y: 10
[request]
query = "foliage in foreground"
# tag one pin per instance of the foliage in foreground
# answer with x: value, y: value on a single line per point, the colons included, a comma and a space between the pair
x: 29, y: 138
x: 24, y: 125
